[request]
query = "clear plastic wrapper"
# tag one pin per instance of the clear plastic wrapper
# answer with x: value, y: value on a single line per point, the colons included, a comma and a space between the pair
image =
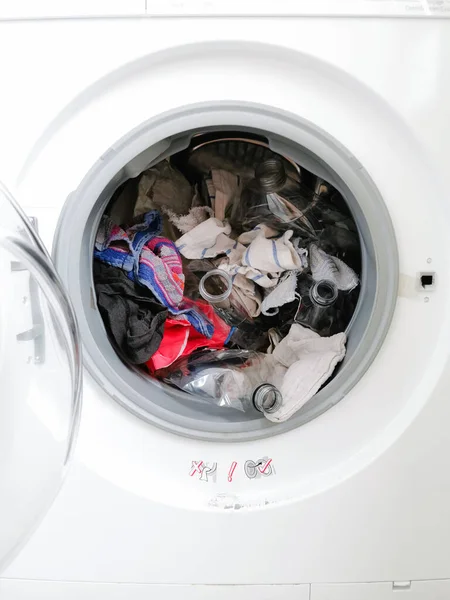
x: 220, y: 378
x: 334, y: 231
x: 272, y: 198
x: 311, y: 209
x: 249, y: 337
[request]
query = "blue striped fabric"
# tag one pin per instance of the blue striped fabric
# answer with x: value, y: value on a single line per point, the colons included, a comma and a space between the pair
x: 275, y: 254
x: 158, y: 269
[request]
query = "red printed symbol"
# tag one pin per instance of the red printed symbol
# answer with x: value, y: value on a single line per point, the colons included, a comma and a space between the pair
x: 265, y: 467
x: 231, y: 471
x: 196, y: 467
x: 256, y: 469
x: 206, y: 471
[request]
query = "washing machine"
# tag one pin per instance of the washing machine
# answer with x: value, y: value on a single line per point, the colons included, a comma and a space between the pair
x: 139, y: 493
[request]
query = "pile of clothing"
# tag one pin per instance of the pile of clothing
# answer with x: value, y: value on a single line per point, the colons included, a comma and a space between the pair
x: 281, y: 253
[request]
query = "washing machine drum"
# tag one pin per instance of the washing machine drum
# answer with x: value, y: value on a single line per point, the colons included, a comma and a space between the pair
x: 40, y: 375
x: 196, y: 154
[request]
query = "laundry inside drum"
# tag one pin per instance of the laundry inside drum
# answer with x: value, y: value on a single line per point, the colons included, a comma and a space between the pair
x: 231, y: 273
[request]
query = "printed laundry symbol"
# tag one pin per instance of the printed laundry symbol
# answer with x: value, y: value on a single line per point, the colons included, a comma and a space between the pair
x: 261, y: 468
x: 204, y: 471
x: 232, y: 470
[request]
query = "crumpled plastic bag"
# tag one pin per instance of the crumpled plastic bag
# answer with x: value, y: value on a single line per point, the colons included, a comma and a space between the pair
x: 214, y: 377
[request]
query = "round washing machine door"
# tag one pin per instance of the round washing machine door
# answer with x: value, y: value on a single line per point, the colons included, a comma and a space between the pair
x: 40, y: 379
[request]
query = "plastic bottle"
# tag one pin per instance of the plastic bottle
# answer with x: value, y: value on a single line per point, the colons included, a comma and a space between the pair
x: 311, y: 210
x: 272, y: 197
x: 216, y: 287
x: 266, y: 398
x: 219, y: 378
x: 335, y: 231
x: 316, y: 309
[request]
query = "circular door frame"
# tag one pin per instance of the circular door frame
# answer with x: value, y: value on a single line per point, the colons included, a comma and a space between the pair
x: 82, y: 212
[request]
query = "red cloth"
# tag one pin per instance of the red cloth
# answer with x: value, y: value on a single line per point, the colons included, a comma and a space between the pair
x: 181, y: 339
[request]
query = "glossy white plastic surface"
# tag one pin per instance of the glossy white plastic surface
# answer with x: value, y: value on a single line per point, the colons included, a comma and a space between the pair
x: 54, y: 9
x: 363, y: 492
x: 54, y: 590
x: 395, y: 590
x: 40, y: 375
x: 340, y: 8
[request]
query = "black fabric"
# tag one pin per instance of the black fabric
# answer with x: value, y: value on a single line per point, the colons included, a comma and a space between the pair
x: 133, y: 318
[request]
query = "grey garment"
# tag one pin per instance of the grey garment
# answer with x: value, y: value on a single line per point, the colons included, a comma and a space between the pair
x: 133, y: 319
x: 163, y: 187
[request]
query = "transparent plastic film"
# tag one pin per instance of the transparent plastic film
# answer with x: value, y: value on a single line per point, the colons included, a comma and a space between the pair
x: 223, y: 378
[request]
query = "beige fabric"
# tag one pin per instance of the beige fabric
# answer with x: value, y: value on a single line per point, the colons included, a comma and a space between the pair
x: 283, y: 293
x: 309, y: 361
x: 260, y: 265
x: 262, y: 262
x: 274, y: 339
x: 163, y: 187
x: 226, y: 189
x: 272, y: 255
x: 195, y: 216
x: 298, y: 366
x: 244, y: 291
x: 208, y: 240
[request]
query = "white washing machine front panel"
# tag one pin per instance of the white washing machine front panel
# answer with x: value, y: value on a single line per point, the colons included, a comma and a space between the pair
x: 361, y: 493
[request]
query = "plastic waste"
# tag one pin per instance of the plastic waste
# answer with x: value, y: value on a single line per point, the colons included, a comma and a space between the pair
x: 216, y: 286
x: 311, y: 208
x: 219, y: 378
x: 248, y: 337
x: 316, y: 307
x: 271, y: 198
x: 335, y: 232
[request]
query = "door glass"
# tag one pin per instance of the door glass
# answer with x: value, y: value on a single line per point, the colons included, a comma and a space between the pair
x: 40, y: 377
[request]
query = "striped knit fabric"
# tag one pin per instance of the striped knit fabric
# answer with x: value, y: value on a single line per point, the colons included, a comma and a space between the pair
x: 151, y: 260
